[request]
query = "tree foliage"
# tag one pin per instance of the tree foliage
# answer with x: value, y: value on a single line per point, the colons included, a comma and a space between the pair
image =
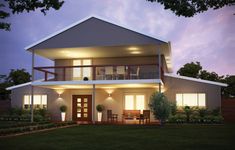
x: 190, y: 70
x: 19, y: 6
x: 18, y: 76
x: 189, y: 8
x: 15, y: 77
x: 160, y: 106
x: 229, y: 91
x: 211, y: 76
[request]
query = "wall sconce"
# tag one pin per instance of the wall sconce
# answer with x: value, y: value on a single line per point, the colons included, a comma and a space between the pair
x: 59, y: 92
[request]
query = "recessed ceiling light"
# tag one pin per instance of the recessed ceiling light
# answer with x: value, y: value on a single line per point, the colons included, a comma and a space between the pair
x: 133, y: 48
x: 136, y: 52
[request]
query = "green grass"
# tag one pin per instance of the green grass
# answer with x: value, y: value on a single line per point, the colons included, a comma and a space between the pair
x: 106, y: 137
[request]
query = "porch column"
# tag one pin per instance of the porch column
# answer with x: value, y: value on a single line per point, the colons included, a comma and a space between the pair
x: 93, y: 104
x: 32, y: 88
x: 159, y: 69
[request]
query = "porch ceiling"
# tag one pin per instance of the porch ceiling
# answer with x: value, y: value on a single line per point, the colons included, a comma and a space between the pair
x: 108, y: 51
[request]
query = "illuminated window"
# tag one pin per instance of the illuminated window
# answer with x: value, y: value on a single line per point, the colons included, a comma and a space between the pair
x: 191, y: 99
x: 129, y: 102
x: 39, y: 101
x: 79, y: 73
x: 134, y: 102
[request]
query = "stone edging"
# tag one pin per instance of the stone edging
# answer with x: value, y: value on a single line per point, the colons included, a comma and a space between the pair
x: 37, y: 131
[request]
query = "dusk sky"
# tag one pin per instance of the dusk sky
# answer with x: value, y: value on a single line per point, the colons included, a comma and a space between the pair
x: 208, y: 38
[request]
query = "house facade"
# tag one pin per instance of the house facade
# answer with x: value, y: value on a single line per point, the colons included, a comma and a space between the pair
x: 98, y: 62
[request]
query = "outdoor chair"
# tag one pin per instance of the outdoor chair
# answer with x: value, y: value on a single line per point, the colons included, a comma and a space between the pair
x: 120, y: 71
x: 108, y: 73
x: 136, y: 74
x: 111, y: 117
x: 145, y: 117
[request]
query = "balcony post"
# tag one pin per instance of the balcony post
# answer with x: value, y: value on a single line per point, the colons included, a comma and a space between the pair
x: 93, y: 104
x: 32, y: 88
x: 159, y: 69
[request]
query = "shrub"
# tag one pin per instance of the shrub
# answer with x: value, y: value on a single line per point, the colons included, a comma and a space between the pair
x: 173, y: 108
x: 63, y: 108
x: 100, y: 108
x: 202, y: 112
x: 215, y: 112
x: 188, y: 111
x: 160, y: 106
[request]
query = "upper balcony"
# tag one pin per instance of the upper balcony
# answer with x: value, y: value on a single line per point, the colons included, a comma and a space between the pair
x: 102, y: 72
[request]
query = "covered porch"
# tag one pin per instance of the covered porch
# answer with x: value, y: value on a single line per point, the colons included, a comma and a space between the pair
x: 128, y: 101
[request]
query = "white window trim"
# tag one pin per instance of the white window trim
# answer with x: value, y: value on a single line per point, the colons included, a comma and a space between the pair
x: 134, y: 94
x: 197, y: 99
x: 81, y: 69
x: 41, y: 105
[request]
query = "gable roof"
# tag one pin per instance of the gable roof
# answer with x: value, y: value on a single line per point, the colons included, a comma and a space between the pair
x: 93, y: 31
x: 196, y: 80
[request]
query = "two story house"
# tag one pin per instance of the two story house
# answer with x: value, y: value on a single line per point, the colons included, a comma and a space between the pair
x: 98, y: 62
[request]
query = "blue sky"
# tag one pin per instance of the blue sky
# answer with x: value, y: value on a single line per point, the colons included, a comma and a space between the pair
x: 208, y: 38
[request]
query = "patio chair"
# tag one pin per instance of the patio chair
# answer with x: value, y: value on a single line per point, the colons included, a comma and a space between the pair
x: 145, y: 117
x: 108, y: 72
x: 120, y: 71
x: 111, y: 117
x: 136, y: 74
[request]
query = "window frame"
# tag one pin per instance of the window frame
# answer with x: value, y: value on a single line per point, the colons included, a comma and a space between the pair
x: 135, y: 99
x: 198, y: 103
x: 35, y: 106
x: 81, y: 76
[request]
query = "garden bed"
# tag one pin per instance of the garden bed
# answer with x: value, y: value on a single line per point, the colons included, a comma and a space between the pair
x: 19, y: 128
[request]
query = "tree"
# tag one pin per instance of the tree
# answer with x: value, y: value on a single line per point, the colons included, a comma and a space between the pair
x: 189, y: 8
x: 18, y: 76
x: 190, y: 70
x: 160, y: 106
x: 19, y: 6
x: 229, y: 91
x: 15, y: 77
x: 211, y: 76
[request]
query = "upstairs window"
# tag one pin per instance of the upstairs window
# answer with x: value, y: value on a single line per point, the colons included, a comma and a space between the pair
x: 80, y: 72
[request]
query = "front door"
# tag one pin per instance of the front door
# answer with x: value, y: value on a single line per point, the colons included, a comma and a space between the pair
x: 82, y: 107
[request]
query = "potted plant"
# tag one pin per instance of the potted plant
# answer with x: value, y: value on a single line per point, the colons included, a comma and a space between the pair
x: 63, y: 109
x: 100, y: 108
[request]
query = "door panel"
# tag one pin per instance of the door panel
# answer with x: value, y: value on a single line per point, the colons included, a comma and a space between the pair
x: 82, y: 107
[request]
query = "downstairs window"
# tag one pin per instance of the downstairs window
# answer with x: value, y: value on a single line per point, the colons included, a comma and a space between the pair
x: 134, y: 102
x: 39, y: 101
x: 191, y: 99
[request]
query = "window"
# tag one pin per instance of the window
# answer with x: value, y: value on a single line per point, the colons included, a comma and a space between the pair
x: 191, y: 99
x: 39, y: 101
x: 134, y: 102
x: 81, y: 72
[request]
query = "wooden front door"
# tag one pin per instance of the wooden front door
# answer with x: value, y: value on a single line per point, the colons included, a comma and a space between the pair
x: 82, y: 105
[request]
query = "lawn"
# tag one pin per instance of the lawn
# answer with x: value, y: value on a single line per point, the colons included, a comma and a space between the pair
x: 102, y: 137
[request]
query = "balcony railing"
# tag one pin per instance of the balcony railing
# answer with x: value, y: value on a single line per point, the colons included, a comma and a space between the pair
x: 101, y: 72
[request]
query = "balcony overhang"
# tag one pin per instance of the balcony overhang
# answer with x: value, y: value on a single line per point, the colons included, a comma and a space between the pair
x: 102, y: 84
x: 108, y: 51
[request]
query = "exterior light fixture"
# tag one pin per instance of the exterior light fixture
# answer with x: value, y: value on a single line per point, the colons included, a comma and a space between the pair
x: 133, y: 48
x: 135, y: 52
